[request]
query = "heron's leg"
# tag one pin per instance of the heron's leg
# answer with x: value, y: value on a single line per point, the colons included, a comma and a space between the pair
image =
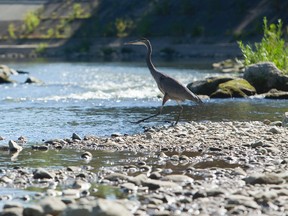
x: 165, y: 99
x: 179, y: 114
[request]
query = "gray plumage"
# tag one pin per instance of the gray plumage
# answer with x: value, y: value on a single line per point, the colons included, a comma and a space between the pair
x: 170, y: 87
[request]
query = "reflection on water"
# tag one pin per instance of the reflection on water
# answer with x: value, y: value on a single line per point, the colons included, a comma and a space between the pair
x: 103, y: 98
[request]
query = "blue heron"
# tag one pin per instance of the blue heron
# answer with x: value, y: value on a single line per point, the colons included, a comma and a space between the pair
x: 170, y: 87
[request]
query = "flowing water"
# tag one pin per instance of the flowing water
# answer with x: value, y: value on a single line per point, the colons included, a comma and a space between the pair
x: 104, y: 98
x: 101, y: 99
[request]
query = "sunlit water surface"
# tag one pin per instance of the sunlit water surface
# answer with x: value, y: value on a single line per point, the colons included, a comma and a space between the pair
x: 104, y: 98
x: 101, y: 99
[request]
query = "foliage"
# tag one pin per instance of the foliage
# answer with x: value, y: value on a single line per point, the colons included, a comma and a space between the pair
x: 271, y: 48
x: 50, y: 33
x: 31, y: 21
x: 78, y: 11
x: 41, y: 48
x: 11, y: 30
x: 122, y: 26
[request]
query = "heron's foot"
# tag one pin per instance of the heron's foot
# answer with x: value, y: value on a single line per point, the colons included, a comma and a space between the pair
x: 137, y: 122
x: 173, y: 124
x: 142, y: 120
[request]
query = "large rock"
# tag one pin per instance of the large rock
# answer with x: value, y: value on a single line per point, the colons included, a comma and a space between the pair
x: 52, y: 206
x: 267, y: 178
x: 229, y: 66
x: 110, y: 208
x: 266, y: 76
x: 207, y: 86
x: 222, y: 87
x: 234, y: 88
x: 33, y: 80
x: 275, y: 94
x: 4, y: 79
x: 14, y: 147
x: 285, y: 120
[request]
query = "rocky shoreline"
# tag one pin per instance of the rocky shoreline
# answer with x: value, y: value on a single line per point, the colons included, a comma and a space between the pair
x: 206, y: 168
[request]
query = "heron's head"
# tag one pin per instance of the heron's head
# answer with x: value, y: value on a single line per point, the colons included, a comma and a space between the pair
x: 142, y: 41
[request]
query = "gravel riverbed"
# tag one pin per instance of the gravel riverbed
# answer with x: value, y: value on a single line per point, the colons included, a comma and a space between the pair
x: 206, y: 168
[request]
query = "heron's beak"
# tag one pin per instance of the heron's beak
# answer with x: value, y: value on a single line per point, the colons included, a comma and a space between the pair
x: 133, y: 43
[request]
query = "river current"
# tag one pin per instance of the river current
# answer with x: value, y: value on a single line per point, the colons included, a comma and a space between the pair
x: 105, y: 98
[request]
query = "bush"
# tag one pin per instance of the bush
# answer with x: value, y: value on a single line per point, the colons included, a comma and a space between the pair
x: 11, y: 31
x: 31, y: 21
x: 41, y: 48
x: 271, y: 48
x: 122, y: 26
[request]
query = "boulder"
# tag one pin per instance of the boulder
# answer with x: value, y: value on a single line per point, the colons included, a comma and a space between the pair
x: 41, y: 173
x: 266, y: 76
x: 33, y: 80
x: 275, y: 94
x: 14, y: 147
x: 285, y: 120
x: 110, y: 208
x: 264, y: 178
x: 234, y: 88
x: 52, y: 205
x: 207, y: 86
x: 229, y: 66
x: 5, y: 79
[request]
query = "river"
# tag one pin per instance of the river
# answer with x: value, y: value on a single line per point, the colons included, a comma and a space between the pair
x: 104, y: 98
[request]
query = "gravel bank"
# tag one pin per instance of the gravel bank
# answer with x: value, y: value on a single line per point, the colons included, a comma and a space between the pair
x: 208, y: 168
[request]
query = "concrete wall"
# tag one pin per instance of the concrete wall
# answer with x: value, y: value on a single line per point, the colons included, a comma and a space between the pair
x: 16, y: 10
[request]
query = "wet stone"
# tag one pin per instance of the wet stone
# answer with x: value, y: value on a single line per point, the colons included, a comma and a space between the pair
x: 33, y: 210
x: 267, y: 178
x: 41, y: 173
x: 129, y: 187
x: 275, y: 130
x: 13, y: 146
x: 107, y: 207
x: 183, y: 179
x: 215, y: 149
x: 86, y: 156
x: 247, y: 177
x: 52, y: 205
x: 76, y: 137
x: 242, y: 200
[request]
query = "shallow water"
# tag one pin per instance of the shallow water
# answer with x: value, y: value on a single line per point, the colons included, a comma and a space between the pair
x: 103, y: 98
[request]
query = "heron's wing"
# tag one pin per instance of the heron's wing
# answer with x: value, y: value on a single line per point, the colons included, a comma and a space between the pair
x: 175, y: 90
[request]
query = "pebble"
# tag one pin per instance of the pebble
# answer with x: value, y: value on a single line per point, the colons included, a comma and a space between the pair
x: 76, y: 137
x: 285, y: 120
x: 243, y: 171
x: 33, y: 210
x: 181, y: 179
x: 108, y: 207
x: 14, y: 147
x: 260, y: 178
x: 275, y: 130
x: 41, y: 173
x: 242, y: 200
x: 52, y: 205
x: 86, y: 156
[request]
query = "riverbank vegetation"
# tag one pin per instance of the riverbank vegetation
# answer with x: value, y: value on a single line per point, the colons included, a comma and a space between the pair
x: 86, y: 28
x: 272, y: 47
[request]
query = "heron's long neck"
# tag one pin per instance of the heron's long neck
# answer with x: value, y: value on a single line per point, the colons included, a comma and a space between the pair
x: 149, y: 61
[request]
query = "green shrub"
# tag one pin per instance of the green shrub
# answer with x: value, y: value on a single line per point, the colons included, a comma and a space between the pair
x: 77, y: 10
x: 41, y: 48
x: 50, y: 33
x: 31, y: 21
x: 122, y: 26
x: 11, y: 30
x: 271, y: 48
